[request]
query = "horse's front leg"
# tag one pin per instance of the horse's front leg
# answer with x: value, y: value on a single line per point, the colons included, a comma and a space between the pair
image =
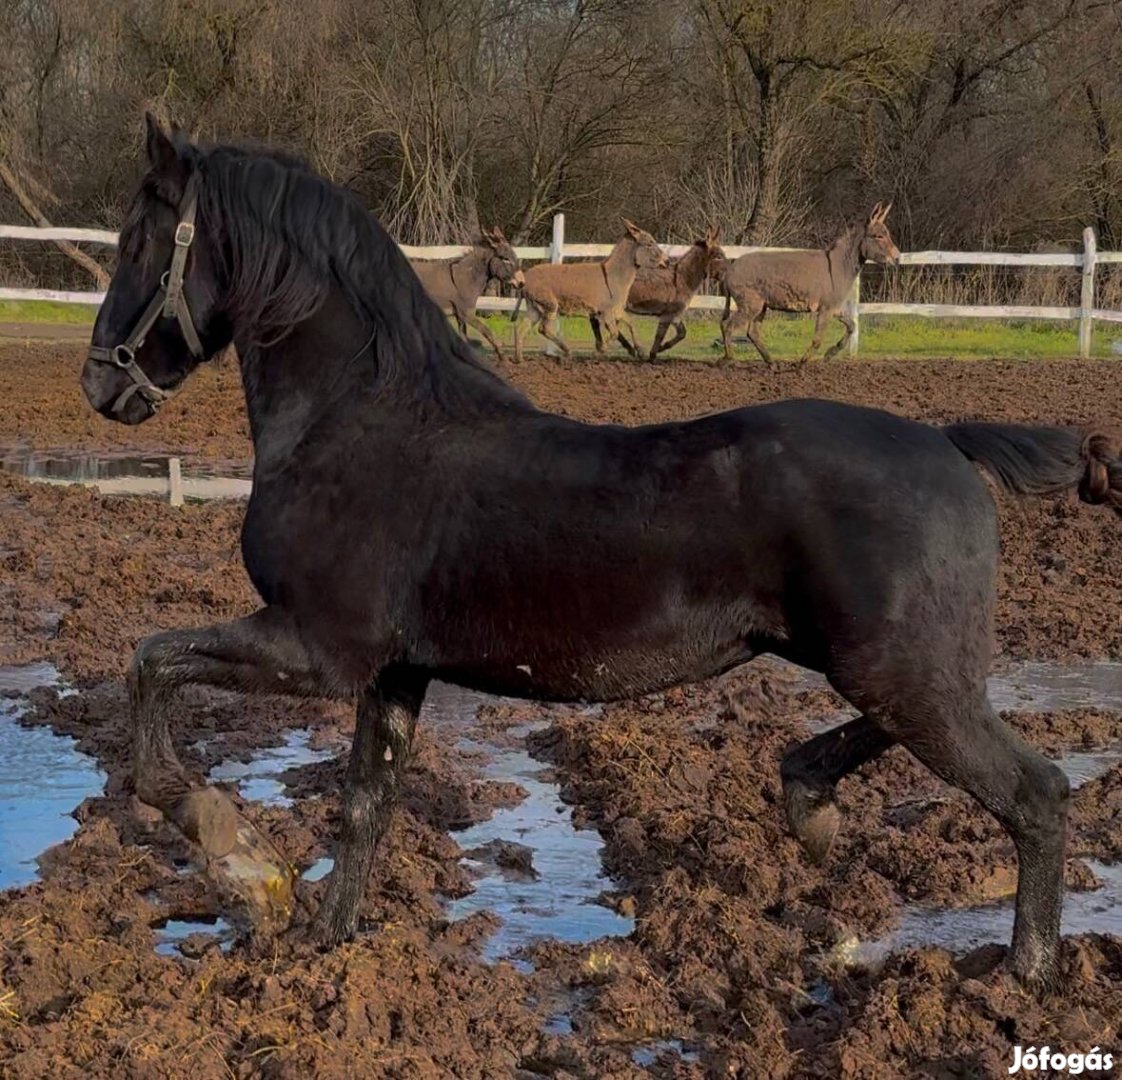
x: 387, y: 716
x: 258, y: 654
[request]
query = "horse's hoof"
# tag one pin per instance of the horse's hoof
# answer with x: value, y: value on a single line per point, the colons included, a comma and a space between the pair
x: 1036, y: 968
x: 239, y: 856
x: 814, y: 821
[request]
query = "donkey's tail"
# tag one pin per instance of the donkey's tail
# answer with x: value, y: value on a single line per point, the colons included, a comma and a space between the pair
x: 1032, y: 460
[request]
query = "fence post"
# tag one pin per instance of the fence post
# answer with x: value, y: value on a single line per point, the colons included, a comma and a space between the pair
x: 1087, y: 297
x: 852, y: 309
x: 556, y: 255
x: 175, y: 482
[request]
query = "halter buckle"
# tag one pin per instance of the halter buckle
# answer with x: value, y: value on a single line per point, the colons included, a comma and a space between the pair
x: 184, y: 234
x: 123, y: 351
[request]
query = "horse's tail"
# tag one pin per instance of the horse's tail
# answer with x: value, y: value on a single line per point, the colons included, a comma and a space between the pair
x: 1033, y: 460
x: 517, y: 305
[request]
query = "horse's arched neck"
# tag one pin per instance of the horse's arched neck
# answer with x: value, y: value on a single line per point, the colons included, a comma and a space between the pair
x: 292, y: 384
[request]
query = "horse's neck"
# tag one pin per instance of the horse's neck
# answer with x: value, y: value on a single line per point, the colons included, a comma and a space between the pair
x: 290, y: 385
x: 331, y: 366
x: 619, y: 266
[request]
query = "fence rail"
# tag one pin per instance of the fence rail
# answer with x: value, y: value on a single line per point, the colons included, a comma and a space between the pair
x: 558, y: 250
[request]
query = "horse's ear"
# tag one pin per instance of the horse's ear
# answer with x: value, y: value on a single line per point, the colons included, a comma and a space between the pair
x: 161, y: 150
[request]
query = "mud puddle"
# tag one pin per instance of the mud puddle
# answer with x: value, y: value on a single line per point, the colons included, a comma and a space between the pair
x: 548, y: 884
x: 959, y: 930
x: 192, y: 937
x: 43, y: 778
x: 261, y: 777
x: 116, y: 474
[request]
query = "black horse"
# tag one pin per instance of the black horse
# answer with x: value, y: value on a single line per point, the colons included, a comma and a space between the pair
x: 415, y: 517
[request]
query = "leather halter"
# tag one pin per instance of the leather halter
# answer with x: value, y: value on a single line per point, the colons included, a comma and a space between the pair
x: 169, y: 302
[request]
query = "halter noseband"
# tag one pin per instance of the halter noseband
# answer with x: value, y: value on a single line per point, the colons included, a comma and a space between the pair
x: 168, y: 301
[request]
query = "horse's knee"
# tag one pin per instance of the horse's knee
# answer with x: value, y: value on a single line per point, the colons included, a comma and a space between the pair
x: 1043, y: 801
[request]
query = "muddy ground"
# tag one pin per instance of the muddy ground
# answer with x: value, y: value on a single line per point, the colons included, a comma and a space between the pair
x: 741, y: 948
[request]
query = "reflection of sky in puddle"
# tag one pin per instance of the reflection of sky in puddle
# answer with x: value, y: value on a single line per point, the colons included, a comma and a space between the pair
x: 170, y: 936
x: 258, y: 780
x: 560, y: 902
x: 42, y: 779
x: 963, y: 929
x: 648, y: 1053
x: 118, y: 474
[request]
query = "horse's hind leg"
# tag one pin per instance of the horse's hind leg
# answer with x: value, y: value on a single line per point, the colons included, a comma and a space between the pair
x: 964, y: 742
x: 811, y: 772
x: 261, y: 653
x: 387, y: 716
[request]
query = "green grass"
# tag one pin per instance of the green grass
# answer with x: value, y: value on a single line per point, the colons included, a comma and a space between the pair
x: 47, y: 311
x: 786, y: 336
x: 881, y: 336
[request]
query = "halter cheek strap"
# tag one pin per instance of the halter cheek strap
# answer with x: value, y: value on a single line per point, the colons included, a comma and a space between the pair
x: 168, y: 302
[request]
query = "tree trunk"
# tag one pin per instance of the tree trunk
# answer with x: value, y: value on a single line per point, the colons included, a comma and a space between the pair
x: 71, y: 251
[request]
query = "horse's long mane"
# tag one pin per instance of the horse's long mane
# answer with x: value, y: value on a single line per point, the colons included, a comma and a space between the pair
x: 289, y: 235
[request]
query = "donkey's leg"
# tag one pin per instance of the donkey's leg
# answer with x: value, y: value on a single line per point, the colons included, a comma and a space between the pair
x: 820, y: 320
x: 660, y: 334
x: 594, y: 322
x: 850, y: 328
x: 811, y: 772
x: 547, y: 329
x: 258, y: 654
x: 679, y: 335
x: 736, y: 320
x: 754, y: 336
x: 387, y: 716
x: 632, y: 345
x: 482, y: 327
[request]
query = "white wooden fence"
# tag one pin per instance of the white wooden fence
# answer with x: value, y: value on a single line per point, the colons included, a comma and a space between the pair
x: 558, y: 250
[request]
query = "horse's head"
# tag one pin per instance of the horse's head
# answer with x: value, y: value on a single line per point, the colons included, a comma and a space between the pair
x: 647, y: 252
x: 160, y: 318
x: 502, y: 262
x: 877, y: 244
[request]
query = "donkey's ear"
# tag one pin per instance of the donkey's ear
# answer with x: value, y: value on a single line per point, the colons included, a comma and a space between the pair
x: 497, y: 235
x: 884, y: 211
x: 874, y: 214
x: 714, y: 234
x: 632, y: 228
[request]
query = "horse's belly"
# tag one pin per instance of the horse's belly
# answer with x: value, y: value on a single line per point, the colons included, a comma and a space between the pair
x: 608, y: 674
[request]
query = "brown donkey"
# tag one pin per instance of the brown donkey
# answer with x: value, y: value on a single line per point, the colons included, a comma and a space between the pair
x: 597, y: 289
x: 816, y: 281
x: 666, y: 292
x: 457, y: 284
